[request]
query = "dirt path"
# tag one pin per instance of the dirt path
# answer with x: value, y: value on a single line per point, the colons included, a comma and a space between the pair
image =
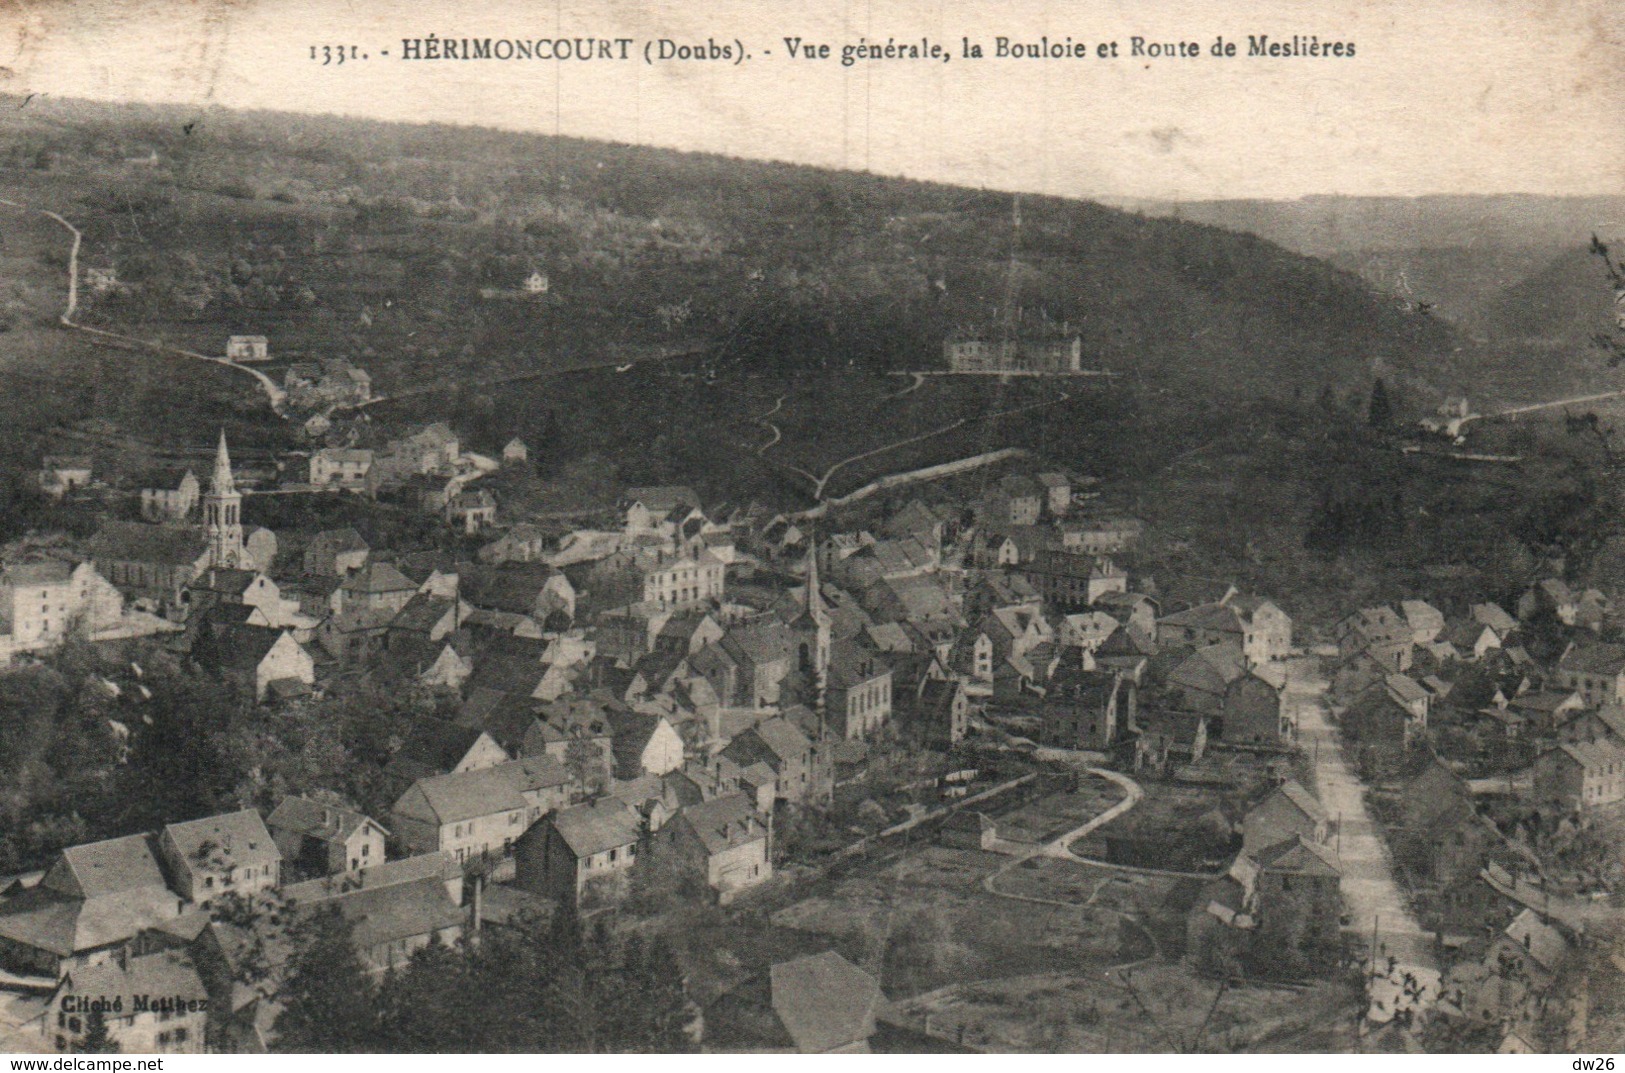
x: 273, y: 391
x: 1058, y: 847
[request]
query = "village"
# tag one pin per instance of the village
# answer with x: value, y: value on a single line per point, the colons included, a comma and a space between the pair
x: 950, y: 750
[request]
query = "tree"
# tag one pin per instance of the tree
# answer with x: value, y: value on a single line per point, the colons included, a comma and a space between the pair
x: 1380, y: 411
x: 97, y: 1039
x: 329, y: 1003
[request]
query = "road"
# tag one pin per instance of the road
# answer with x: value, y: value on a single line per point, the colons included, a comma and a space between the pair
x: 1378, y: 914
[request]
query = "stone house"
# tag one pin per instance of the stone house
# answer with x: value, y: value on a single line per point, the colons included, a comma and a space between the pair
x: 232, y: 853
x: 590, y: 847
x: 725, y: 839
x: 318, y: 838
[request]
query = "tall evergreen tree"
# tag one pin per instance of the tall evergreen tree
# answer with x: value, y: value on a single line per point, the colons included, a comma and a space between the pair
x: 329, y: 1002
x: 1380, y: 411
x: 97, y: 1039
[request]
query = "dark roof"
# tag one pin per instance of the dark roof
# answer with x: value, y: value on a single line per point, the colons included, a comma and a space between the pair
x: 434, y: 746
x: 317, y: 819
x: 596, y: 827
x: 141, y: 543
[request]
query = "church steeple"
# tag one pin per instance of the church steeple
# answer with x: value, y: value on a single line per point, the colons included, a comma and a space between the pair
x: 222, y: 484
x: 222, y: 512
x: 815, y: 619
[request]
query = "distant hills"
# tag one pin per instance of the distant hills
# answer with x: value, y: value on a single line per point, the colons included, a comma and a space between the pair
x: 377, y: 241
x: 1506, y: 268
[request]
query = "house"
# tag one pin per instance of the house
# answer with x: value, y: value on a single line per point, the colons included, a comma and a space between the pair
x: 1130, y: 609
x: 43, y: 602
x: 267, y: 656
x: 657, y: 576
x: 941, y: 713
x: 154, y: 1003
x: 1531, y: 949
x: 1201, y: 681
x: 1101, y: 535
x: 437, y: 747
x: 247, y: 348
x: 1472, y: 640
x: 232, y: 853
x: 802, y: 772
x: 661, y: 511
x: 536, y: 283
x: 335, y: 553
x: 532, y: 589
x: 428, y: 449
x: 1262, y: 631
x: 478, y: 815
x: 1069, y: 581
x: 1015, y: 500
x: 1379, y: 631
x: 92, y: 900
x: 1086, y: 709
x: 1057, y: 493
x: 1252, y: 713
x: 341, y: 467
x: 522, y: 543
x: 1546, y: 709
x: 515, y: 453
x: 920, y: 522
x: 151, y: 564
x: 1493, y: 616
x: 1595, y: 670
x: 1606, y: 723
x: 177, y: 504
x: 748, y: 666
x: 318, y: 838
x: 818, y: 1004
x: 61, y: 474
x: 1425, y: 620
x: 644, y: 744
x: 1288, y: 810
x: 1580, y: 776
x: 225, y: 587
x: 1380, y: 722
x: 859, y: 692
x: 725, y: 839
x: 471, y: 512
x: 582, y: 853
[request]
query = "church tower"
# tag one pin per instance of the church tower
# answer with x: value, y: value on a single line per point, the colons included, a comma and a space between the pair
x: 223, y: 513
x: 814, y: 624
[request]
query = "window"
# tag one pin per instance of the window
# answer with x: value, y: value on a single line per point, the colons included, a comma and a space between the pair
x: 612, y: 855
x: 73, y: 1024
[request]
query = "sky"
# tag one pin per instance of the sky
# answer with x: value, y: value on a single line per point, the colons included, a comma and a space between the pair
x: 1441, y: 96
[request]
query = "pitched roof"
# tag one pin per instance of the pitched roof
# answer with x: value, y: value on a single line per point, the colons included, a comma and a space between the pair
x: 226, y: 841
x: 824, y: 1001
x: 781, y: 738
x: 1544, y: 943
x: 1216, y: 617
x: 39, y: 572
x: 1493, y: 616
x: 662, y: 499
x: 596, y: 827
x: 317, y: 819
x: 140, y: 542
x: 725, y: 822
x: 1596, y: 658
x: 1301, y: 799
x: 166, y: 973
x: 436, y: 745
x: 1300, y: 857
x: 112, y: 866
x: 377, y: 578
x: 464, y: 795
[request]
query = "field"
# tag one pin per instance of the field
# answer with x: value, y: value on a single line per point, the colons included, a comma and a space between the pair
x: 1050, y: 817
x: 1157, y: 1007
